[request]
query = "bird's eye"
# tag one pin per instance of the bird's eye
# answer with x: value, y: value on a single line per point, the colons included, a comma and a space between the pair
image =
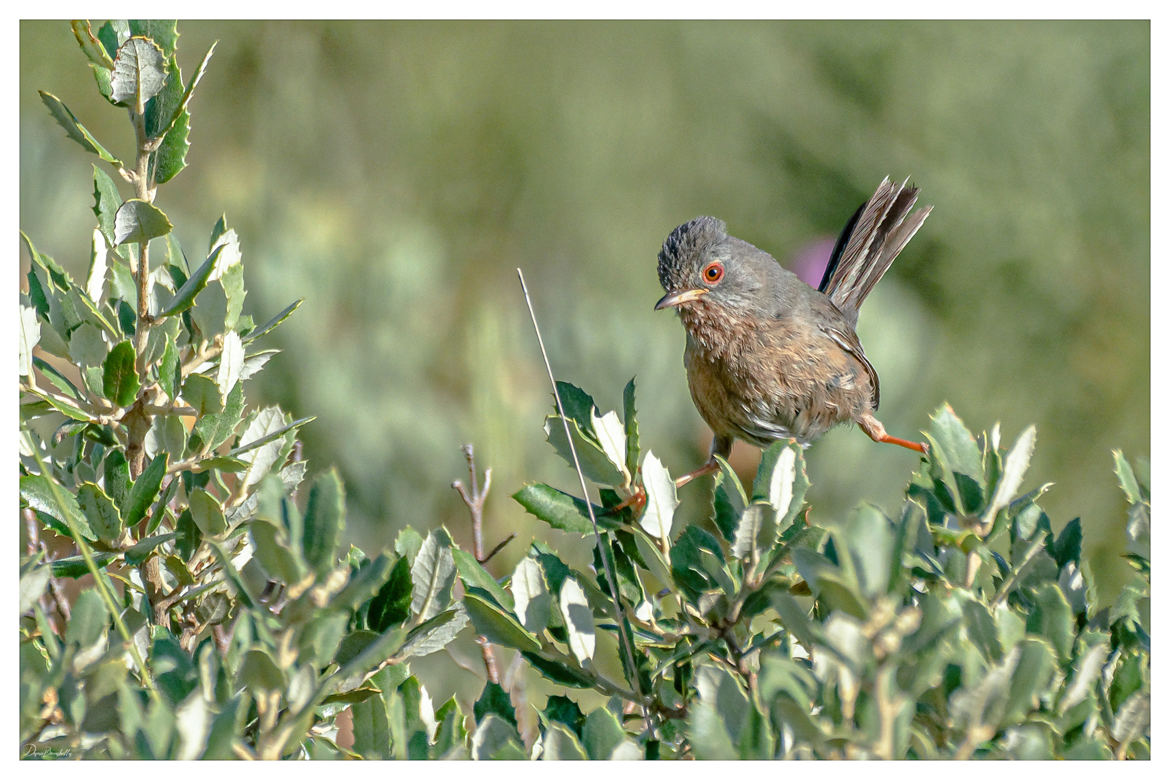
x: 713, y: 273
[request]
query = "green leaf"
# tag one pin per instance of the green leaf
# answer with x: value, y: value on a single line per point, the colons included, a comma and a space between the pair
x: 324, y: 522
x: 86, y: 346
x: 495, y: 738
x: 1014, y: 468
x: 139, y: 552
x: 661, y: 498
x: 185, y: 295
x: 560, y: 744
x: 30, y: 335
x: 106, y: 202
x: 144, y: 491
x: 75, y: 566
x: 90, y: 45
x: 139, y: 73
x: 206, y: 512
x: 601, y: 733
x: 611, y: 435
x: 319, y: 639
x: 497, y: 624
x: 258, y: 672
x: 215, y: 428
x: 36, y: 491
x: 104, y: 517
x: 120, y: 381
x: 434, y: 634
x: 718, y: 716
x: 730, y: 500
x: 89, y: 620
x: 696, y: 561
x: 274, y: 322
x: 595, y: 463
x: 955, y: 451
x: 473, y: 573
x: 1052, y: 618
x: 138, y: 221
x: 75, y: 130
x: 630, y: 418
x: 494, y: 700
x: 231, y: 362
x: 32, y: 585
x: 870, y: 537
x: 578, y: 619
x: 390, y: 606
x: 558, y: 509
x: 1126, y: 478
x: 558, y: 671
x: 364, y: 583
x: 433, y: 574
x: 981, y: 630
x: 532, y: 599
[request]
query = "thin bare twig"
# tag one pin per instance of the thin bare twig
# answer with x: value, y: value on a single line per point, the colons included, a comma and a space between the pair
x: 475, y: 499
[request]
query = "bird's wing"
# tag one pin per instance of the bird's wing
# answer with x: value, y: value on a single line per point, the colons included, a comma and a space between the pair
x: 849, y: 342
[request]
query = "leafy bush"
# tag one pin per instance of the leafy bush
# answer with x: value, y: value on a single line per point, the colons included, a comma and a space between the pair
x: 181, y: 598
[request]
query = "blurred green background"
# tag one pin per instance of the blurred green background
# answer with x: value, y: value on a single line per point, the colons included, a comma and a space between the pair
x: 395, y: 174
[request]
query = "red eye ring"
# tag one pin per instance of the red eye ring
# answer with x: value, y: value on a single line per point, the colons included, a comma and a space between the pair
x: 713, y: 273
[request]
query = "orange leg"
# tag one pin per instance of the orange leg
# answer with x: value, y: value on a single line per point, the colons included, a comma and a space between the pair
x: 876, y: 431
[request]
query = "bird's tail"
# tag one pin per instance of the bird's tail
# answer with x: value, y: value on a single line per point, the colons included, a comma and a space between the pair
x: 874, y: 236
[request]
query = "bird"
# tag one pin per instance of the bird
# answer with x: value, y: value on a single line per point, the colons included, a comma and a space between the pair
x: 768, y: 357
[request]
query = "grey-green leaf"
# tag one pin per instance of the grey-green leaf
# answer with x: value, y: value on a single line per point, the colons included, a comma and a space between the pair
x: 75, y: 130
x: 137, y: 221
x: 139, y: 73
x: 433, y: 574
x: 120, y: 381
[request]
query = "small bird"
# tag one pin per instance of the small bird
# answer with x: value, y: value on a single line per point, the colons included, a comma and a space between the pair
x: 768, y: 357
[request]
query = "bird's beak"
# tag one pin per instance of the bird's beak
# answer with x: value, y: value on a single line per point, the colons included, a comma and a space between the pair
x: 681, y: 297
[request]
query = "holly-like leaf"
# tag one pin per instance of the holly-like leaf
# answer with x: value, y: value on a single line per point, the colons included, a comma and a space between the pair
x: 433, y: 574
x: 137, y: 221
x: 139, y: 73
x: 661, y: 498
x: 120, y: 381
x: 75, y: 130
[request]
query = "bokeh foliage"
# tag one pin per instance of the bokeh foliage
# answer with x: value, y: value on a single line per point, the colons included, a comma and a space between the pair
x: 396, y: 173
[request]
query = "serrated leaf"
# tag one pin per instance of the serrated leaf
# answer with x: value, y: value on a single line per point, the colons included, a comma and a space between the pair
x: 274, y: 322
x: 324, y: 522
x: 267, y: 423
x: 578, y: 619
x: 99, y: 267
x: 661, y: 498
x: 560, y: 744
x: 93, y: 49
x: 496, y: 739
x: 32, y: 585
x: 207, y: 513
x: 39, y: 495
x: 258, y: 672
x: 532, y: 599
x: 558, y: 509
x: 30, y: 336
x: 497, y: 625
x: 434, y: 634
x: 120, y: 381
x: 595, y: 464
x: 106, y: 202
x: 231, y: 362
x: 713, y: 727
x: 185, y: 295
x: 75, y: 130
x: 104, y: 517
x: 630, y: 420
x: 1015, y: 465
x: 473, y: 573
x: 433, y: 574
x: 139, y: 73
x: 1126, y: 478
x: 144, y: 491
x: 601, y: 734
x: 138, y: 221
x: 610, y: 433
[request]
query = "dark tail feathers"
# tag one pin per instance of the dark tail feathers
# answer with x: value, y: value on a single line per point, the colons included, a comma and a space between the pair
x: 872, y: 238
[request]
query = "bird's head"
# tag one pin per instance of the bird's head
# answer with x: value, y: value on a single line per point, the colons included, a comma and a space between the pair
x: 702, y: 268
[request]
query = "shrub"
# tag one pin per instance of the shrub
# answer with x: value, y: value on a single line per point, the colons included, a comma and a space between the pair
x: 185, y: 594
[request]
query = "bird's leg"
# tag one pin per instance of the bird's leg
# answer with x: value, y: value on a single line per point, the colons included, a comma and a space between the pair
x: 720, y: 445
x: 876, y: 431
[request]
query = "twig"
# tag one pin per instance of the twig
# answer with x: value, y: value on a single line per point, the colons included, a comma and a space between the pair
x: 475, y: 499
x: 603, y: 549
